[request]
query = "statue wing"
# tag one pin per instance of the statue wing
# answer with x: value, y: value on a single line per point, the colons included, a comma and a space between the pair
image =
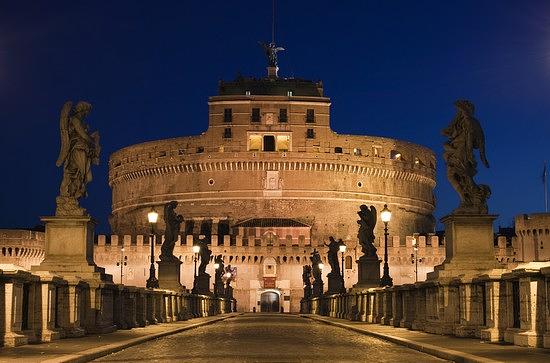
x: 278, y: 49
x: 64, y: 129
x: 373, y: 216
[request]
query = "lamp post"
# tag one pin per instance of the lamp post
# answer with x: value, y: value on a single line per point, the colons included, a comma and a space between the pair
x: 152, y: 281
x: 196, y: 250
x: 342, y: 248
x: 385, y: 216
x: 123, y: 262
x: 414, y: 258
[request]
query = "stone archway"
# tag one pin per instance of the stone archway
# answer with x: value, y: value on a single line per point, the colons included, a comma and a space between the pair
x: 269, y: 302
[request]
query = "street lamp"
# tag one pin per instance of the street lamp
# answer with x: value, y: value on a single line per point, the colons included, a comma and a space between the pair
x: 342, y: 248
x: 216, y: 266
x: 196, y: 250
x: 415, y: 257
x: 123, y: 262
x: 385, y: 216
x: 152, y: 281
x: 321, y: 266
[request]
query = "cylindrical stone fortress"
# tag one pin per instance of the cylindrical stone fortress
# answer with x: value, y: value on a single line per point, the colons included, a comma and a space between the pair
x: 269, y: 154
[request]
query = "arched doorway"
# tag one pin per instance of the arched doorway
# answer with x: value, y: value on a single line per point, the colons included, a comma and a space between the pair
x: 269, y: 302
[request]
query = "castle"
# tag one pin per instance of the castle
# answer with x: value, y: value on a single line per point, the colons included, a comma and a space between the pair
x: 266, y: 184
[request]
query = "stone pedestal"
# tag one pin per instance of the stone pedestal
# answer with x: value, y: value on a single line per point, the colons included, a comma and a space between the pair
x: 317, y: 288
x: 368, y: 272
x: 219, y: 290
x: 335, y: 284
x: 469, y: 247
x: 202, y: 284
x: 69, y: 248
x: 169, y: 275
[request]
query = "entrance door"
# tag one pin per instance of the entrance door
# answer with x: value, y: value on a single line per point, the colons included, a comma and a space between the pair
x: 269, y: 302
x: 269, y: 143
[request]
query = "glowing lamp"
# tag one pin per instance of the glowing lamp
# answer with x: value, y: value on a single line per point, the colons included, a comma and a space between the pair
x: 342, y: 248
x: 152, y: 216
x: 216, y: 266
x: 385, y: 214
x: 196, y: 249
x: 321, y: 266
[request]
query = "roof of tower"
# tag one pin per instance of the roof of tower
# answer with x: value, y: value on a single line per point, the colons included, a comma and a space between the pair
x: 271, y: 86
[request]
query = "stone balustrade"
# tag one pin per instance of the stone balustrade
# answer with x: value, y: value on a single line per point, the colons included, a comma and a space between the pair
x: 513, y: 307
x: 43, y: 307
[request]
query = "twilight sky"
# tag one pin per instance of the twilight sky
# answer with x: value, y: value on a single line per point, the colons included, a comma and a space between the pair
x: 391, y: 68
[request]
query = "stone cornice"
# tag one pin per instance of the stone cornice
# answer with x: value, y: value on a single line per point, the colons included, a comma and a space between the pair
x: 336, y: 166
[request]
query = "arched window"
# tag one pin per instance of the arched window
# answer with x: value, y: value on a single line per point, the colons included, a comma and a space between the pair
x: 348, y: 262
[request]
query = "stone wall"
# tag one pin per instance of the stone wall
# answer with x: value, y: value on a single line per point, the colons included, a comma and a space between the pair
x: 43, y: 307
x: 288, y: 259
x: 513, y: 307
x: 320, y: 181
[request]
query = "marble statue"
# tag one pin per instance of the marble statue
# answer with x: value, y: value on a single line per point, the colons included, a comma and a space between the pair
x: 367, y: 222
x: 205, y: 254
x: 315, y: 261
x: 173, y: 224
x: 79, y: 150
x: 306, y: 278
x: 333, y: 249
x: 464, y: 136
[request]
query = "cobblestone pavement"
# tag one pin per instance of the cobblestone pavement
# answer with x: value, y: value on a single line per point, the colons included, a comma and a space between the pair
x: 268, y: 338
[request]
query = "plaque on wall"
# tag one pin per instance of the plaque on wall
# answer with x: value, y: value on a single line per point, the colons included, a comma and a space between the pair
x: 269, y: 282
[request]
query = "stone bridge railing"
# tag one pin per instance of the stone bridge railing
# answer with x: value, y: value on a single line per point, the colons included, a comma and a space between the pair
x: 41, y: 308
x: 513, y: 308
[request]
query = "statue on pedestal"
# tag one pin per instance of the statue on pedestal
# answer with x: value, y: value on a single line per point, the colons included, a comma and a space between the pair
x: 306, y: 278
x: 218, y: 278
x: 79, y: 149
x: 205, y: 254
x: 465, y: 135
x: 271, y: 50
x: 367, y: 222
x: 318, y: 280
x: 173, y: 223
x: 333, y: 249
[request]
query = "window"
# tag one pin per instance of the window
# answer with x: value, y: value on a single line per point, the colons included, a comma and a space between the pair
x: 200, y: 149
x: 227, y: 115
x: 254, y: 143
x: 310, y: 134
x: 227, y: 133
x: 255, y: 117
x: 310, y: 115
x: 338, y: 150
x: 357, y: 151
x: 289, y: 93
x: 348, y: 262
x: 283, y: 142
x: 269, y: 143
x: 395, y: 155
x: 283, y: 116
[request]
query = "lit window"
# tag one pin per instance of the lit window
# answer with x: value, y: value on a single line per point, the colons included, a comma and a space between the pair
x: 395, y: 155
x: 254, y: 142
x: 357, y: 151
x: 283, y: 142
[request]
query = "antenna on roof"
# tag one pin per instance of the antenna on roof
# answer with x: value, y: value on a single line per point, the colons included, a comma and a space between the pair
x: 273, y: 24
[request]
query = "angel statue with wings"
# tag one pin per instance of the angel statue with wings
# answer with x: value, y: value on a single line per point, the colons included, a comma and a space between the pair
x: 271, y: 51
x: 79, y: 149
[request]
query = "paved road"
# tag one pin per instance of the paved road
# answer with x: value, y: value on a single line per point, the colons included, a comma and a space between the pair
x: 268, y: 338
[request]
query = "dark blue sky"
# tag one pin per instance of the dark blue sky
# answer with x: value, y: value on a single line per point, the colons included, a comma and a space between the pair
x: 392, y: 68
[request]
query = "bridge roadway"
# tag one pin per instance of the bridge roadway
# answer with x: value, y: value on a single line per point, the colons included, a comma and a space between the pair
x: 268, y: 338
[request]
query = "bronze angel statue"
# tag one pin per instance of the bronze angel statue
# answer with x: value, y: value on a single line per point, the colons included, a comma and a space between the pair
x: 79, y: 149
x: 465, y: 135
x: 367, y: 222
x: 271, y: 51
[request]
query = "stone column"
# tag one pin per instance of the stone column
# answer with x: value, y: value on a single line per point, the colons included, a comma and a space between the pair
x: 13, y: 312
x: 48, y: 292
x: 495, y: 311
